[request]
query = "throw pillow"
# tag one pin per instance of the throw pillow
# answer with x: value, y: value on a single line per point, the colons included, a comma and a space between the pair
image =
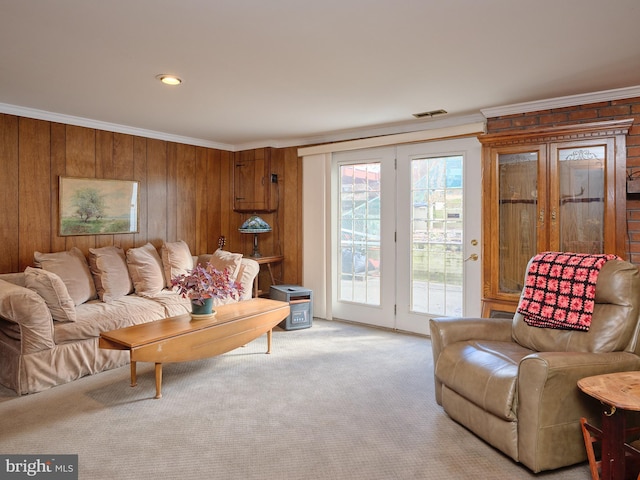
x: 221, y: 260
x: 176, y: 259
x: 145, y: 268
x: 73, y: 269
x: 110, y: 272
x: 52, y: 289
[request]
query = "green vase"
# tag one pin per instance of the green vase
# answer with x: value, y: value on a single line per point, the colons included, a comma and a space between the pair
x: 205, y: 309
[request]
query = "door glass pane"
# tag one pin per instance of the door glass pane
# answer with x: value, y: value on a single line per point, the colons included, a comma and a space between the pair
x: 359, y: 261
x: 581, y: 199
x: 518, y: 202
x: 436, y: 222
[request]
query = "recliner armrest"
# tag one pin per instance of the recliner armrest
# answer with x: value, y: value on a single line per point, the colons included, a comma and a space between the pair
x: 549, y: 400
x: 545, y: 375
x: 448, y: 330
x: 457, y: 329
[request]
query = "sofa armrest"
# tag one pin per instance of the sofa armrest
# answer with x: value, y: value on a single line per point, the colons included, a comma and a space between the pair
x: 550, y: 403
x: 27, y: 309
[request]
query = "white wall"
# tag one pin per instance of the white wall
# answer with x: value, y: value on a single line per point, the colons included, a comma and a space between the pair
x: 316, y: 170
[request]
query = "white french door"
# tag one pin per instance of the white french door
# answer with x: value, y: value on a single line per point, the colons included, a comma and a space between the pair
x: 406, y: 233
x: 439, y: 226
x: 363, y: 193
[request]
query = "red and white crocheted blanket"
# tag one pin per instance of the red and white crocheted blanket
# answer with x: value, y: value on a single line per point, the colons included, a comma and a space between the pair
x: 560, y: 289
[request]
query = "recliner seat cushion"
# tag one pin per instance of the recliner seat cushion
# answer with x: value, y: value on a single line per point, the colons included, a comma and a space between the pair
x: 483, y: 372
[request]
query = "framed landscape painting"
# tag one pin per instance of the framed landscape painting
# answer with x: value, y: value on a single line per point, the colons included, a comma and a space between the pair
x: 90, y: 206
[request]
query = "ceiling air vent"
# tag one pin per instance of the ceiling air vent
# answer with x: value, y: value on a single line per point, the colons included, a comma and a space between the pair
x: 430, y: 113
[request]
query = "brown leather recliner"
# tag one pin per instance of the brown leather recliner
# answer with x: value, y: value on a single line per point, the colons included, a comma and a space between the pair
x: 515, y: 386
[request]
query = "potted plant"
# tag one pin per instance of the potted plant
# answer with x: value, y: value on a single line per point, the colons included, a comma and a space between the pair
x: 204, y: 283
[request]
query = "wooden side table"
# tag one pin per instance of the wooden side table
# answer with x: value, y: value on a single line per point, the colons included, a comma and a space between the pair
x: 617, y: 392
x: 268, y: 261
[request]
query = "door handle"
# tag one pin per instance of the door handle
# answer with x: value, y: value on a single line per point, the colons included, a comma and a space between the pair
x: 473, y: 257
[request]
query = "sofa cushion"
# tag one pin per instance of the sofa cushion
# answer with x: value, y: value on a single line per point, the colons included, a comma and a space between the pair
x: 612, y: 324
x: 483, y: 372
x: 110, y: 273
x: 173, y: 303
x: 145, y: 268
x: 54, y: 292
x: 95, y: 317
x: 73, y: 269
x: 222, y: 260
x: 176, y: 259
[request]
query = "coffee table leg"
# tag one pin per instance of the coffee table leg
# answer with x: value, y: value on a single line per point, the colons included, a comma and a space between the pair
x: 134, y: 378
x: 158, y: 380
x: 269, y: 341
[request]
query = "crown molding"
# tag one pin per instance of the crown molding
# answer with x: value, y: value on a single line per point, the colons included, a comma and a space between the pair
x: 344, y: 135
x: 110, y: 127
x: 337, y: 136
x: 441, y: 133
x: 560, y: 102
x: 370, y: 132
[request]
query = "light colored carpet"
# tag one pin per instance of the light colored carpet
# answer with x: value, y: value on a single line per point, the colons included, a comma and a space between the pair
x: 336, y: 401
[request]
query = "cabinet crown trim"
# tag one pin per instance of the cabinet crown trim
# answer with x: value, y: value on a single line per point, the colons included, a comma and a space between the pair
x: 558, y: 133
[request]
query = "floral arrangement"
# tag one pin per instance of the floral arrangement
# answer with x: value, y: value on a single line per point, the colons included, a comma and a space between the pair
x: 204, y: 282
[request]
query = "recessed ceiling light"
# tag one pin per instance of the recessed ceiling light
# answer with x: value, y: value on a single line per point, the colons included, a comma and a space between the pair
x: 169, y: 79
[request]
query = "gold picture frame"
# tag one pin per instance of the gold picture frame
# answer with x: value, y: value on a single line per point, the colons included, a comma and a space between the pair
x: 91, y: 206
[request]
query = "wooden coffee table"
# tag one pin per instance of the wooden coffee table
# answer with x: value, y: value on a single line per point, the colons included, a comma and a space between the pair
x: 181, y: 339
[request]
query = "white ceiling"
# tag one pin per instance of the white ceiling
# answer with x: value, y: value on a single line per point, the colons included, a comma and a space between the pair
x: 259, y: 72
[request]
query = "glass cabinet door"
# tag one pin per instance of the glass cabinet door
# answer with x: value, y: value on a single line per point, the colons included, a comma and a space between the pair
x: 518, y: 211
x: 578, y: 203
x: 557, y: 188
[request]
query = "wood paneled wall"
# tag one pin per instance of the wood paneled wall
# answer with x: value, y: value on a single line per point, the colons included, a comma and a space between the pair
x: 185, y: 193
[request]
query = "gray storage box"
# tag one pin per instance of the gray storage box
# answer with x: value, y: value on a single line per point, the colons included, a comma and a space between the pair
x: 300, y: 301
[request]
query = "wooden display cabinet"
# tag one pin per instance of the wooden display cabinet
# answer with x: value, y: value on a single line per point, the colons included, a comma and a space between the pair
x: 549, y: 189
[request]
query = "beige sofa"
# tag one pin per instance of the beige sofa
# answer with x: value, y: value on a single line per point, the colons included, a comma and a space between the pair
x: 515, y: 385
x: 51, y: 317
